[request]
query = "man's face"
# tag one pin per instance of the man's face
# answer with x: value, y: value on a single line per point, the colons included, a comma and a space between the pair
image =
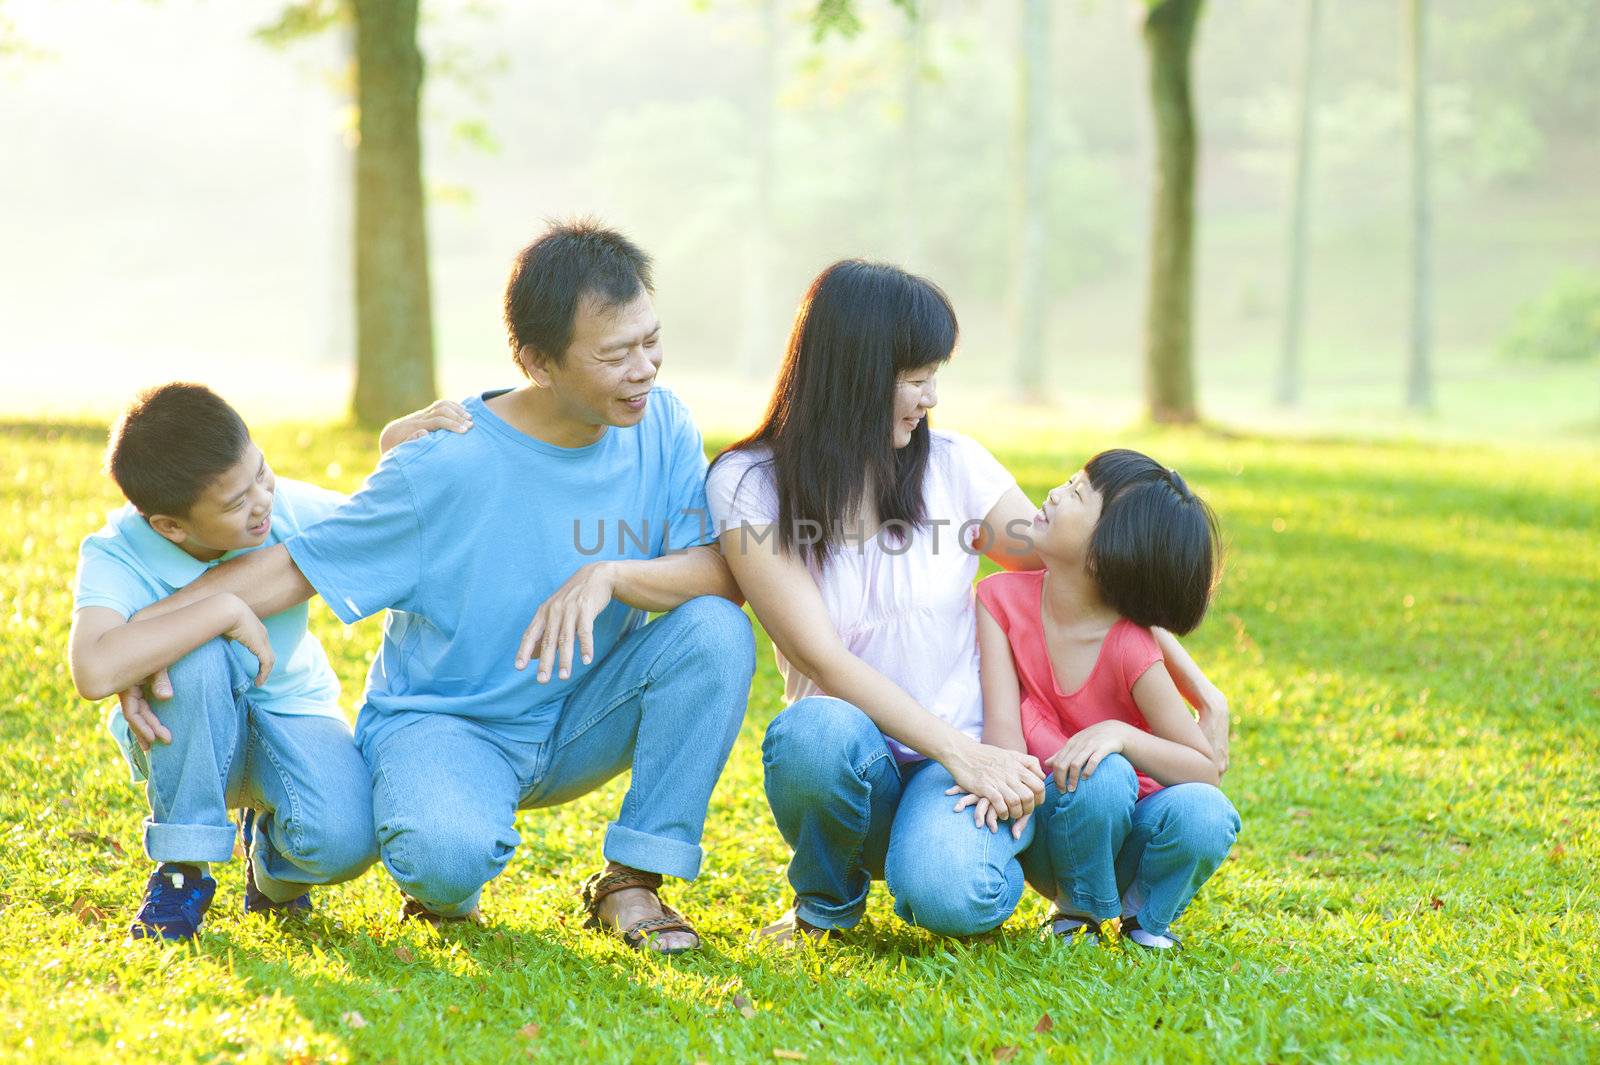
x: 610, y: 365
x: 233, y: 512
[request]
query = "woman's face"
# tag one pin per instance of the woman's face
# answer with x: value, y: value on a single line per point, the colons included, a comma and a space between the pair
x: 915, y: 393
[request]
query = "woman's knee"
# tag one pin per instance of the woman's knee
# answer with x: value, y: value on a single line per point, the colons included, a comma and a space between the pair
x: 950, y: 902
x: 817, y: 741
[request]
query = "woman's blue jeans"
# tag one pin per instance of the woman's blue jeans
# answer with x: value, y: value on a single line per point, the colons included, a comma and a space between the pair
x: 852, y: 814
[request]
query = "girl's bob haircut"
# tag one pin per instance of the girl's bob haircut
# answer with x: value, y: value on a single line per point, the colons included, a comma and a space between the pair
x: 1155, y: 551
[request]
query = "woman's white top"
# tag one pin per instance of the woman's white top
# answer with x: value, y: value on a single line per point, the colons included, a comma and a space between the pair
x: 905, y: 607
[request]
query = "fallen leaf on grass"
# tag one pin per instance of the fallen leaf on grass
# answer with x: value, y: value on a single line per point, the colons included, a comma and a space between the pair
x: 88, y: 913
x: 1004, y: 1053
x: 1044, y: 1025
x: 95, y: 838
x: 405, y: 955
x: 788, y: 1055
x: 1436, y: 902
x: 1557, y: 851
x: 529, y: 1031
x: 742, y: 1002
x: 353, y: 1019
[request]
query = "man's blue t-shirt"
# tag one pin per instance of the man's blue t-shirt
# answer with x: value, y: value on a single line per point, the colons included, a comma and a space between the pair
x: 461, y: 536
x: 127, y: 565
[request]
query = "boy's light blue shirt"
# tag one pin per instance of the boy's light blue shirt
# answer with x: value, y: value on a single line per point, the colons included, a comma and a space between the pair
x: 462, y: 536
x: 127, y: 565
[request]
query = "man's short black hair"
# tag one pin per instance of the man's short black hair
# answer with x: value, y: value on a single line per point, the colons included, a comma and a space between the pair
x: 1154, y: 552
x: 170, y: 444
x: 550, y: 276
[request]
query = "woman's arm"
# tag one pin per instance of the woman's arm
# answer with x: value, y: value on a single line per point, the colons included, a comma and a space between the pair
x: 789, y: 605
x: 1201, y: 694
x: 1007, y: 537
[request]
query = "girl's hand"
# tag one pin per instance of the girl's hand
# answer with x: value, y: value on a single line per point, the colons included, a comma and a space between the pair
x: 1081, y: 755
x: 1011, y: 782
x: 440, y: 414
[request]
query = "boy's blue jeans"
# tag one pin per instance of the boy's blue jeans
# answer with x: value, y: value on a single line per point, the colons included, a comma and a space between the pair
x: 303, y: 773
x: 667, y: 700
x: 1101, y: 850
x: 852, y: 813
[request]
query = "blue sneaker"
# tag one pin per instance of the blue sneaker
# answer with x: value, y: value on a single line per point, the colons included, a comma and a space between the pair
x: 175, y: 902
x: 254, y: 900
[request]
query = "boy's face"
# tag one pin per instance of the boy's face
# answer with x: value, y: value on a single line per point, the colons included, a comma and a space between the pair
x: 233, y: 512
x: 1065, y: 521
x: 610, y: 364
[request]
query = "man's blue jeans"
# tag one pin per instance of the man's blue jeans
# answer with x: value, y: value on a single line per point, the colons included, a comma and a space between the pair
x: 667, y: 700
x: 852, y: 813
x: 1101, y: 850
x: 303, y: 773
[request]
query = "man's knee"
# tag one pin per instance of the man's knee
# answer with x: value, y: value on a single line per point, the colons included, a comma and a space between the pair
x: 713, y: 626
x: 444, y: 865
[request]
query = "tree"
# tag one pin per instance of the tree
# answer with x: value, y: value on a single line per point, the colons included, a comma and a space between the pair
x: 755, y: 349
x: 1169, y: 30
x: 1305, y: 148
x: 1419, y: 380
x: 1033, y: 196
x: 394, y: 314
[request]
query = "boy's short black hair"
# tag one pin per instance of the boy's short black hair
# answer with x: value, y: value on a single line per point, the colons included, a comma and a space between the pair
x: 1154, y: 552
x: 571, y: 260
x: 170, y: 444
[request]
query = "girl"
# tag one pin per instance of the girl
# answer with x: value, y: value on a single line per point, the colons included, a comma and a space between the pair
x: 1132, y: 822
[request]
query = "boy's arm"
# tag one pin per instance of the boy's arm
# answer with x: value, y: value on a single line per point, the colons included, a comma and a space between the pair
x: 440, y: 414
x: 655, y: 584
x: 107, y: 654
x: 1201, y: 694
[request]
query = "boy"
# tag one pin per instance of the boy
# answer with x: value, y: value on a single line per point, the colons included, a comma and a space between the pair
x: 253, y: 716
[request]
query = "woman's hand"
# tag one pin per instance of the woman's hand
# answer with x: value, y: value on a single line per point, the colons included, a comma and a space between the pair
x: 1082, y: 754
x: 1010, y: 782
x: 440, y: 414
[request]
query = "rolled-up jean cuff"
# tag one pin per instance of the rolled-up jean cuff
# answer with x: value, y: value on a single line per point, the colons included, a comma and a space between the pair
x: 274, y: 889
x: 846, y: 917
x: 187, y: 843
x: 651, y: 854
x: 1099, y: 909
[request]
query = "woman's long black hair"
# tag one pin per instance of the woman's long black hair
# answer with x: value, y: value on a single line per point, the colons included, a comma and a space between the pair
x: 829, y: 425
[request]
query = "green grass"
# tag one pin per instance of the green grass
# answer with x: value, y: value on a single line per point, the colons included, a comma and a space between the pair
x: 1407, y: 634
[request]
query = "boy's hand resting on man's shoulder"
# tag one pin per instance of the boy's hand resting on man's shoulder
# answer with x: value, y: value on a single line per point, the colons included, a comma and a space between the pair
x: 440, y: 414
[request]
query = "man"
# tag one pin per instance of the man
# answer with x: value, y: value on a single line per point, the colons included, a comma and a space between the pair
x: 577, y: 498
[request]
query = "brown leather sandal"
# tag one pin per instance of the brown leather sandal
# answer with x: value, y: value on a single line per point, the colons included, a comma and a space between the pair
x: 638, y: 934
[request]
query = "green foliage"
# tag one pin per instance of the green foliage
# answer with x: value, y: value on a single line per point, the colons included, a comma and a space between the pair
x: 840, y: 17
x: 1563, y: 325
x: 304, y: 18
x: 1406, y: 634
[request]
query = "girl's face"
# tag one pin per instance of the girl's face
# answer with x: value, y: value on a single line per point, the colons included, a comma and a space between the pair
x: 1065, y: 521
x: 915, y: 393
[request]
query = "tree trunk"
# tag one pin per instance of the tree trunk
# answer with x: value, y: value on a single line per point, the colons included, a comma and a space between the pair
x: 1305, y: 149
x: 1169, y: 30
x: 908, y: 172
x: 1419, y: 384
x: 1033, y: 198
x: 394, y: 319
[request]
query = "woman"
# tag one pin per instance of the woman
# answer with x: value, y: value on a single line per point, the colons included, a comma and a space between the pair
x: 854, y: 531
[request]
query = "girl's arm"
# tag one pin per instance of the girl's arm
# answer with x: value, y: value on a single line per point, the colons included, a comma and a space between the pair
x: 789, y: 606
x: 1201, y: 694
x: 1002, y: 695
x: 1175, y: 751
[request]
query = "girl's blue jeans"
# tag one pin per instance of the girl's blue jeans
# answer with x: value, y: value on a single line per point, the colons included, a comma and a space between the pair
x: 1102, y: 851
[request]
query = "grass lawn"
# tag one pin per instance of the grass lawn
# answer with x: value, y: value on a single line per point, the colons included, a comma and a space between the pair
x: 1407, y: 634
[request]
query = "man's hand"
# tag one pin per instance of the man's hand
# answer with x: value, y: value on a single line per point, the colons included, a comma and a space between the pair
x: 569, y: 613
x: 1081, y: 755
x: 440, y: 414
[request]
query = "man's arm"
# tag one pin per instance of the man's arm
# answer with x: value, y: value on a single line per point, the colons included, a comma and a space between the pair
x: 267, y: 580
x: 654, y: 584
